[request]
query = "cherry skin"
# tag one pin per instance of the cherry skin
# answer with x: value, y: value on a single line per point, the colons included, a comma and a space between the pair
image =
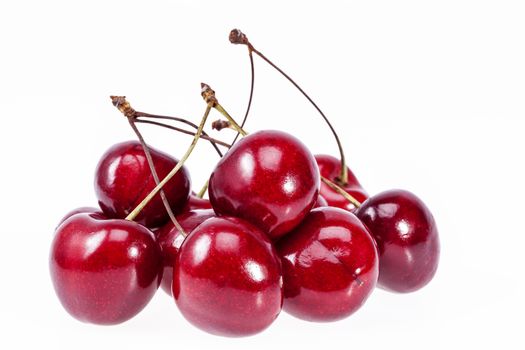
x: 104, y: 271
x: 268, y: 178
x: 123, y: 179
x: 227, y: 278
x: 195, y: 203
x: 330, y: 266
x: 330, y: 168
x: 407, y: 239
x: 170, y: 240
x: 91, y: 210
x: 320, y: 202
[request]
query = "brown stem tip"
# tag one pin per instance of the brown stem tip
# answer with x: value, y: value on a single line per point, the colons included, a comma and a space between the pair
x: 238, y: 37
x: 208, y: 95
x: 123, y: 106
x: 220, y: 124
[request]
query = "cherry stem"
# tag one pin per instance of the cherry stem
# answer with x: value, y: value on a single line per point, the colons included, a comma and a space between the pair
x: 209, y: 96
x: 341, y: 191
x: 174, y: 171
x: 156, y: 177
x: 203, y: 136
x: 123, y: 105
x: 238, y: 37
x: 252, y: 68
x: 203, y: 189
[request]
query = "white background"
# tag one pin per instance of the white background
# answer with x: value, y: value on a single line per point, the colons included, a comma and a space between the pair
x: 427, y: 95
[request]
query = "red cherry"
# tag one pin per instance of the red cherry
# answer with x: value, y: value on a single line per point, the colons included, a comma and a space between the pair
x: 123, y: 179
x: 330, y: 168
x: 269, y: 178
x: 90, y: 210
x: 104, y: 271
x: 170, y: 240
x: 227, y: 278
x: 195, y: 203
x: 407, y: 239
x: 320, y: 202
x: 330, y: 265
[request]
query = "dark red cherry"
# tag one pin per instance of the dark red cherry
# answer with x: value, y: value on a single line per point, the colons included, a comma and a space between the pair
x: 330, y: 167
x: 330, y: 265
x: 123, y: 179
x: 407, y: 239
x: 104, y: 271
x: 170, y: 240
x: 196, y: 203
x: 269, y: 178
x: 90, y: 210
x: 227, y: 278
x: 320, y: 202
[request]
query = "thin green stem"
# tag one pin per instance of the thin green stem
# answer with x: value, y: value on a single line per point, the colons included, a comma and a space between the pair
x: 174, y: 171
x: 153, y: 171
x: 234, y: 124
x: 341, y: 191
x: 203, y: 189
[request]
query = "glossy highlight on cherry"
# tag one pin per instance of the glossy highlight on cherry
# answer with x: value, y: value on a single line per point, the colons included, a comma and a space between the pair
x: 268, y: 178
x: 104, y: 271
x: 330, y: 266
x: 227, y: 278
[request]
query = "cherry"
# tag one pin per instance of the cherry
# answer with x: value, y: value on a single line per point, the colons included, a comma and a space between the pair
x: 104, y: 271
x: 227, y: 278
x: 195, y: 203
x: 407, y: 239
x: 330, y: 265
x: 91, y: 210
x: 170, y: 240
x: 123, y: 179
x: 268, y: 178
x: 320, y: 202
x: 330, y: 168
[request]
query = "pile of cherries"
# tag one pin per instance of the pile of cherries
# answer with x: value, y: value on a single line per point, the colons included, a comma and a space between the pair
x: 282, y: 229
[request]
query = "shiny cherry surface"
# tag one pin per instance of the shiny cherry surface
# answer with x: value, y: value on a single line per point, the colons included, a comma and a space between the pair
x: 170, y: 240
x: 123, y: 179
x: 227, y: 278
x: 196, y: 203
x: 320, y: 202
x: 90, y: 210
x: 330, y: 266
x: 330, y: 167
x: 407, y: 239
x: 104, y: 271
x: 268, y: 178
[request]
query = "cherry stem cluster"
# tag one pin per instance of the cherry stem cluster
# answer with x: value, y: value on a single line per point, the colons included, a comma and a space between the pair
x: 174, y: 171
x: 121, y: 104
x: 238, y: 37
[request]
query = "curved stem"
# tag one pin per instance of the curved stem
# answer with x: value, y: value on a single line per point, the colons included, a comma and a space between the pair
x: 341, y: 191
x: 187, y: 122
x: 252, y: 67
x: 343, y: 177
x: 239, y: 38
x: 203, y: 189
x: 174, y: 171
x: 156, y: 176
x: 203, y: 136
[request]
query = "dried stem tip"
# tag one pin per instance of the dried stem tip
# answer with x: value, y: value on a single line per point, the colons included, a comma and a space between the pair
x: 220, y: 124
x: 123, y: 106
x: 208, y: 95
x: 238, y: 37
